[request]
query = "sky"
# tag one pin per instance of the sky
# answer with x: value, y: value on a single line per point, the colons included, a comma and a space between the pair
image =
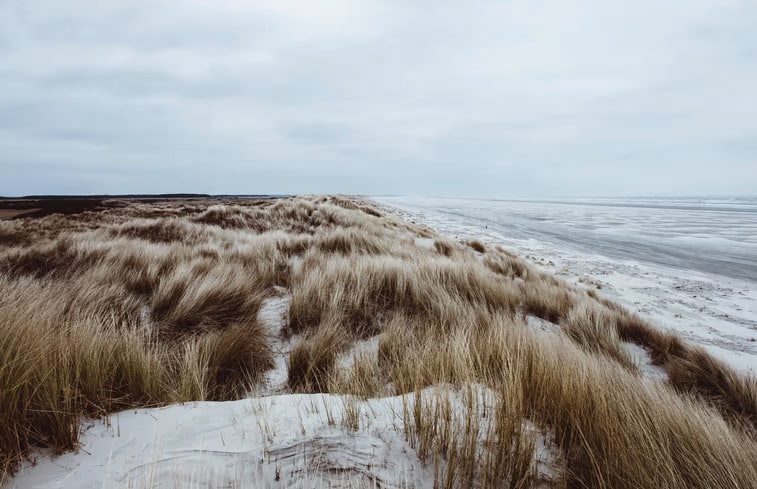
x: 512, y: 98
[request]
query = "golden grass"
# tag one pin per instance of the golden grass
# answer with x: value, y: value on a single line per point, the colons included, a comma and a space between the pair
x: 472, y: 438
x: 148, y: 304
x: 617, y: 430
x: 587, y: 324
x: 311, y: 362
x: 476, y: 245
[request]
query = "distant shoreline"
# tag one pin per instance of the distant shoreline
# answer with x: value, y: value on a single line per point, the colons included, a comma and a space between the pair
x: 142, y: 196
x: 35, y: 206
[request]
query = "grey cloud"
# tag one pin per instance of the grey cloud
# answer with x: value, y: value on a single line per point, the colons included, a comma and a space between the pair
x: 493, y: 98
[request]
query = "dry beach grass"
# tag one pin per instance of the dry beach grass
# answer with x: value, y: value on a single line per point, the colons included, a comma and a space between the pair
x: 148, y: 304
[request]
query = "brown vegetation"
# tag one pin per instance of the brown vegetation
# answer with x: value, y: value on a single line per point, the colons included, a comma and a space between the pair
x: 476, y: 245
x: 12, y: 213
x: 153, y: 303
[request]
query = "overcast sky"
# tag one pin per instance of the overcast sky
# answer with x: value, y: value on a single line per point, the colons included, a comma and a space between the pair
x: 477, y: 98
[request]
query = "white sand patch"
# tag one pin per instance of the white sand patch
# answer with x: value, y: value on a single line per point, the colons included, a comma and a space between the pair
x: 295, y: 263
x: 274, y: 315
x: 641, y: 357
x: 542, y: 325
x: 288, y: 441
x: 549, y: 462
x: 144, y: 316
x: 426, y: 243
x: 367, y: 348
x: 281, y: 441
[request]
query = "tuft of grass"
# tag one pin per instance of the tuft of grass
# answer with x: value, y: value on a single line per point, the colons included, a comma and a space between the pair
x: 692, y: 370
x: 700, y: 374
x: 350, y: 241
x: 618, y: 431
x: 508, y: 266
x: 445, y: 247
x: 474, y: 438
x: 54, y: 369
x: 365, y: 289
x: 224, y: 364
x: 206, y: 293
x: 156, y: 231
x: 364, y: 379
x: 595, y: 330
x: 234, y: 217
x: 547, y: 300
x: 352, y: 204
x: 54, y: 259
x: 476, y: 245
x: 311, y: 362
x: 12, y: 235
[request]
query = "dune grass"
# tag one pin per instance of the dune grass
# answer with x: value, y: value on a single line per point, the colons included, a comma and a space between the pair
x: 149, y: 304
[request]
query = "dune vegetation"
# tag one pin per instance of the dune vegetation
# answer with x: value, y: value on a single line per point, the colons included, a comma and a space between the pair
x: 147, y: 304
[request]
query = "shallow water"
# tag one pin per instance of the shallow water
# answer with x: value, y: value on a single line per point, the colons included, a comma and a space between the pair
x: 717, y: 236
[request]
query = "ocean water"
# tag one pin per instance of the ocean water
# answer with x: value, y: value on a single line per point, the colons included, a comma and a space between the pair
x: 711, y: 235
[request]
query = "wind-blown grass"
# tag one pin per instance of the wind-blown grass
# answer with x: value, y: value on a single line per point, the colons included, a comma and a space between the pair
x: 150, y: 304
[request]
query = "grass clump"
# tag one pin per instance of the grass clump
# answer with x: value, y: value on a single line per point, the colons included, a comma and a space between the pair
x: 225, y: 364
x: 311, y: 362
x: 476, y: 245
x: 506, y: 265
x: 445, y: 247
x: 594, y: 330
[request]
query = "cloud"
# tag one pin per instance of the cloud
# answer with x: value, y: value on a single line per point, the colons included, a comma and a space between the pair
x: 523, y: 97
